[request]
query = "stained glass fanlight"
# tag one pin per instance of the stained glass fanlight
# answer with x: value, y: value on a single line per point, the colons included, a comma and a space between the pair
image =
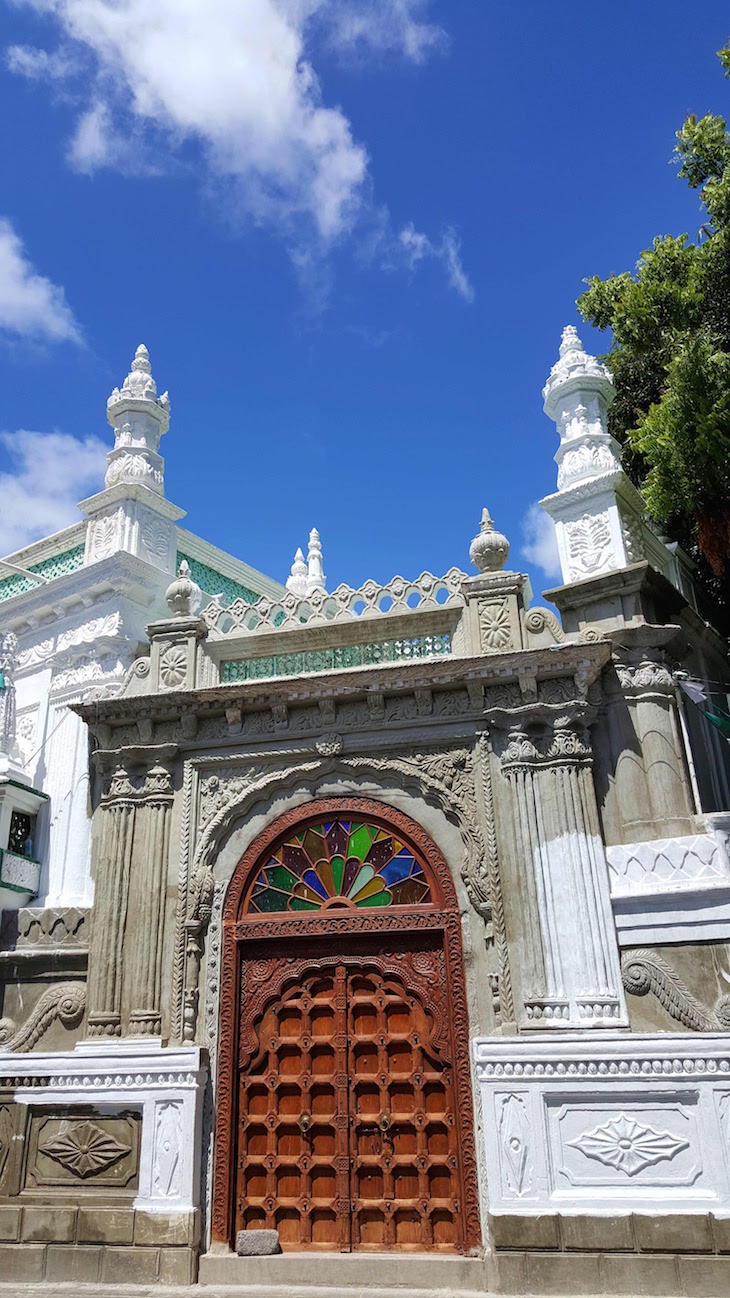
x: 339, y: 864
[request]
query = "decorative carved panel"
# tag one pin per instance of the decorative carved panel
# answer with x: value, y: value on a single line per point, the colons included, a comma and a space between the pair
x: 81, y: 1150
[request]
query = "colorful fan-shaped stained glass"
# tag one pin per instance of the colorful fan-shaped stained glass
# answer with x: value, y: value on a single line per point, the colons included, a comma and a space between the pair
x: 339, y: 864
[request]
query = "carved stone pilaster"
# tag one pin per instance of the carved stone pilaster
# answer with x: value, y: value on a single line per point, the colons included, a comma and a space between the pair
x: 147, y: 892
x: 641, y: 765
x: 570, y: 935
x: 129, y: 867
x: 109, y: 914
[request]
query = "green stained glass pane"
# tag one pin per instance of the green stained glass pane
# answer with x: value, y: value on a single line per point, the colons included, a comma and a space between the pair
x: 269, y: 900
x: 281, y: 878
x: 360, y: 840
x: 298, y: 903
x: 338, y: 870
x: 379, y: 899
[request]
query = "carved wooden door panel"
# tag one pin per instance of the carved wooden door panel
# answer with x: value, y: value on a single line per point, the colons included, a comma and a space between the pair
x: 293, y: 1160
x: 347, y: 1132
x: 405, y: 1182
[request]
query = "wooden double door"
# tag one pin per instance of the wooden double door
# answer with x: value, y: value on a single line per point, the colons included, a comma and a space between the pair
x: 347, y: 1120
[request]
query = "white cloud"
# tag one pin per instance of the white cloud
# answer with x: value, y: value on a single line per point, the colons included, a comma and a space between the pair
x: 416, y: 246
x: 230, y: 75
x: 28, y: 61
x: 30, y: 304
x: 235, y: 78
x: 43, y: 477
x: 385, y: 25
x: 540, y: 545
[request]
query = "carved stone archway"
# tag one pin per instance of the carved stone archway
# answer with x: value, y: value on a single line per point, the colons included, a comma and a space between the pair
x: 415, y: 947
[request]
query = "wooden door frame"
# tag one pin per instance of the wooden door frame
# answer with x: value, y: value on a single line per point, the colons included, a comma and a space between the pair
x: 442, y: 916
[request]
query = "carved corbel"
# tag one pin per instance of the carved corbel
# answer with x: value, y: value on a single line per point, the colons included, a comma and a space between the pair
x: 234, y: 718
x: 424, y: 702
x: 280, y: 717
x: 327, y: 711
x: 376, y: 706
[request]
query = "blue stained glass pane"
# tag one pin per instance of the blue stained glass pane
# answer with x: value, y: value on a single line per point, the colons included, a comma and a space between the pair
x: 397, y: 869
x: 315, y: 883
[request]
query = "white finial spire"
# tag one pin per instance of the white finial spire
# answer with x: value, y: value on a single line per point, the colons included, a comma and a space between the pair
x: 139, y: 418
x: 315, y: 578
x: 297, y: 582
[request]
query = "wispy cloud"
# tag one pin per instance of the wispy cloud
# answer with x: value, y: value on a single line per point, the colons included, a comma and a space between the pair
x: 31, y: 306
x: 385, y: 25
x: 33, y: 63
x: 236, y: 79
x: 43, y: 477
x: 417, y: 246
x: 540, y: 544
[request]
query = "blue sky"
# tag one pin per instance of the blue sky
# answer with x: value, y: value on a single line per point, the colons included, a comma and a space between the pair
x: 350, y: 233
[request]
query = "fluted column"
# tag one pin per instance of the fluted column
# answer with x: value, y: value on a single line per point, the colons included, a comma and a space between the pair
x: 113, y: 857
x: 646, y: 682
x: 129, y: 866
x: 146, y: 903
x: 574, y: 953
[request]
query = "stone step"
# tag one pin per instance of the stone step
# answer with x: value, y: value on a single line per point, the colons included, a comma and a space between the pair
x: 369, y: 1274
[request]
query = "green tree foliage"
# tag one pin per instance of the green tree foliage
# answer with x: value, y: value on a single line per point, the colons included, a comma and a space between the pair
x: 670, y: 358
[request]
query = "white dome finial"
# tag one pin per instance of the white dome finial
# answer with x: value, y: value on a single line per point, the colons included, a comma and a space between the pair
x: 489, y: 551
x: 297, y: 582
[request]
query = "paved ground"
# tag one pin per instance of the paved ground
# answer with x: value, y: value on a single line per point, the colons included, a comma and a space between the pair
x: 74, y: 1290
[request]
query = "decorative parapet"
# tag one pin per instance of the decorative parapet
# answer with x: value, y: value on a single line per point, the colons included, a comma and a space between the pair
x: 607, y: 1124
x: 345, y: 604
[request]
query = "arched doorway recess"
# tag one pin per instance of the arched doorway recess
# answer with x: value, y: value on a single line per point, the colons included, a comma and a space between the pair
x: 344, y: 1112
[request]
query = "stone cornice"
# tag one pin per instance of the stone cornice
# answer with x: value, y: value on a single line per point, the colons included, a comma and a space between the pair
x: 605, y: 1055
x: 132, y: 491
x: 473, y: 673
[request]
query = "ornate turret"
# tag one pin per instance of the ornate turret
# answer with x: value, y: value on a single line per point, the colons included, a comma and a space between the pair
x: 139, y: 418
x: 598, y: 514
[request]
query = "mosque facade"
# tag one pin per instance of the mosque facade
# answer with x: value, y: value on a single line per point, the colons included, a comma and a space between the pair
x: 372, y: 937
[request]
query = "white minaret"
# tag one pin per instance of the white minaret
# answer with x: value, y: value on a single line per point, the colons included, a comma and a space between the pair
x: 131, y: 513
x: 139, y: 418
x: 598, y: 513
x: 315, y: 571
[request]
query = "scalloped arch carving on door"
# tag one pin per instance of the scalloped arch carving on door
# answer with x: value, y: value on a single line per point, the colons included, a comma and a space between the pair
x: 361, y: 897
